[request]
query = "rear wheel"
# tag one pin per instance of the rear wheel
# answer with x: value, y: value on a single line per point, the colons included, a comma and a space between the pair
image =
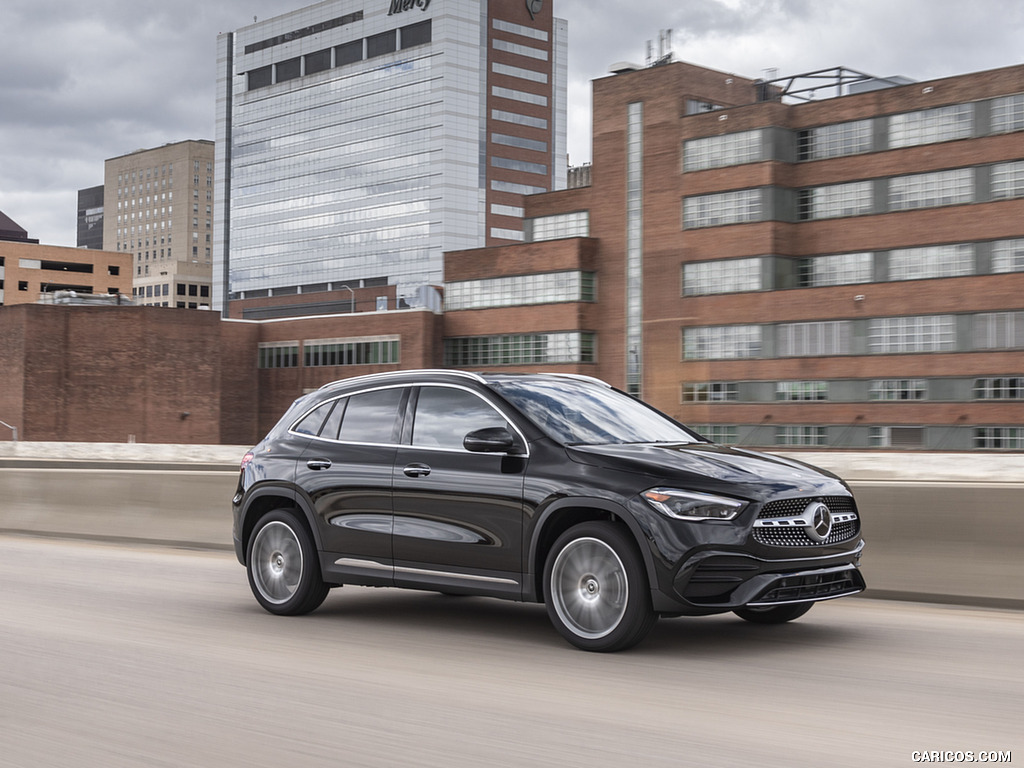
x: 596, y: 590
x: 773, y: 614
x: 284, y: 573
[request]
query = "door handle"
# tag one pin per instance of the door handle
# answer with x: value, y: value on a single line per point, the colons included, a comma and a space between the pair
x: 319, y: 463
x: 417, y: 470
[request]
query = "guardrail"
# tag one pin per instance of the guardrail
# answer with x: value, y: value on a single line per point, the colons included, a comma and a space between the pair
x: 939, y: 527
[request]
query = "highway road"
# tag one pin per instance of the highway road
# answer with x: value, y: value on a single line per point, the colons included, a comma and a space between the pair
x: 146, y: 657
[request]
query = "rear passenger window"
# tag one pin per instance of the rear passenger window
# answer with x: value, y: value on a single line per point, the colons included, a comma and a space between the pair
x: 311, y: 422
x: 371, y: 417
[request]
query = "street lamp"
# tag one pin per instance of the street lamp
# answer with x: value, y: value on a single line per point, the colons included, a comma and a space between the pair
x: 14, y: 430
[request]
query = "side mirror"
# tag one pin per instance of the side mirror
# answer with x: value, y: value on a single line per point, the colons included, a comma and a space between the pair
x: 490, y: 440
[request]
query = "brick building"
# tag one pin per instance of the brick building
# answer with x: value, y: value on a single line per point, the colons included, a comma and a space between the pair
x: 29, y: 271
x: 846, y: 271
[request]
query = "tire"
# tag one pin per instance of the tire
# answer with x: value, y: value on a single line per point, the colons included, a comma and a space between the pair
x: 596, y: 589
x: 773, y: 614
x: 282, y: 564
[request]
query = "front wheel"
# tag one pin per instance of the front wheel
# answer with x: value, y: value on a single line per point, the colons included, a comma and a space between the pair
x: 773, y: 614
x: 284, y: 573
x: 596, y: 590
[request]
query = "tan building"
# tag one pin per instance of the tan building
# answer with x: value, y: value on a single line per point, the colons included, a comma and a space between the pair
x: 159, y: 209
x: 29, y: 271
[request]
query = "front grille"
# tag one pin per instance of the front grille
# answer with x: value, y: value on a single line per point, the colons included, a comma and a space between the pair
x: 784, y: 527
x: 813, y: 586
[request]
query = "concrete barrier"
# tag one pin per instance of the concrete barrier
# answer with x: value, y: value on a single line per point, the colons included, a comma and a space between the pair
x: 939, y: 527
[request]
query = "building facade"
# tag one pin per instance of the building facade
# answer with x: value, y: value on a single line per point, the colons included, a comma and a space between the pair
x: 841, y: 272
x: 30, y: 272
x: 159, y: 209
x: 359, y: 141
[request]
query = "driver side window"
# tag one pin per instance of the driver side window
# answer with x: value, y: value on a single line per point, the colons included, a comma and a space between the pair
x: 445, y: 415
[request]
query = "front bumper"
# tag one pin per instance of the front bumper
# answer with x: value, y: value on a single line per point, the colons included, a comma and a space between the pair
x: 714, y: 581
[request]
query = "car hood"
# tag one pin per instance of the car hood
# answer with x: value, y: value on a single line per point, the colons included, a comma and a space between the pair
x: 714, y: 467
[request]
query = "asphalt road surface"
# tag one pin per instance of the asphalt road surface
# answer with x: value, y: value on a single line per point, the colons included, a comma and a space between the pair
x: 128, y: 656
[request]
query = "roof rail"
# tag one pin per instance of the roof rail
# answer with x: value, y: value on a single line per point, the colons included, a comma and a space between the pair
x: 579, y: 377
x: 411, y: 371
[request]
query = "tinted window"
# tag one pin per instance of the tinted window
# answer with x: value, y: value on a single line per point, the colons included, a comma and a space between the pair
x: 289, y: 70
x: 371, y: 417
x: 581, y: 413
x: 349, y: 52
x: 310, y: 425
x: 416, y: 34
x: 259, y: 78
x: 330, y: 428
x: 318, y: 62
x: 444, y: 416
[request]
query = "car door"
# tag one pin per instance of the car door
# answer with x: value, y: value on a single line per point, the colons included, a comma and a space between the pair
x: 346, y: 470
x: 458, y: 514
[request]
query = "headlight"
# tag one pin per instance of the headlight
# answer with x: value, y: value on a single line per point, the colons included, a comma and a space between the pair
x: 688, y: 505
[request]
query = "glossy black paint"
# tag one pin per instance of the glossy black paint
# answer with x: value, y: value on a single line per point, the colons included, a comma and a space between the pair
x: 482, y: 521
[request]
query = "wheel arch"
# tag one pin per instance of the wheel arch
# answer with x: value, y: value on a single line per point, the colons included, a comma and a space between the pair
x: 263, y: 499
x: 562, y: 515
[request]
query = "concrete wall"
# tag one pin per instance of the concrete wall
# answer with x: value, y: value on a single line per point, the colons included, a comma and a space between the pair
x: 939, y: 527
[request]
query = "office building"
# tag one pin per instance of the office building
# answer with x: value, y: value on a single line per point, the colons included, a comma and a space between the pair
x: 358, y: 140
x: 159, y: 208
x: 825, y: 260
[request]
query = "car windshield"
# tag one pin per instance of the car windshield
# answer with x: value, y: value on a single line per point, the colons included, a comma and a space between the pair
x: 576, y: 412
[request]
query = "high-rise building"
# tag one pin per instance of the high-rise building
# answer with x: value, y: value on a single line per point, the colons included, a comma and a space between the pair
x: 358, y: 140
x: 90, y: 218
x: 159, y: 208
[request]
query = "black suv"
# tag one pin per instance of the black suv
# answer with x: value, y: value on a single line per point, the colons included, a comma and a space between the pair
x: 535, y: 487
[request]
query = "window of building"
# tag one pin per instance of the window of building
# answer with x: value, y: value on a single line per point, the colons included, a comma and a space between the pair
x: 1008, y: 180
x: 724, y: 276
x: 829, y: 337
x: 710, y: 392
x: 444, y: 416
x: 520, y: 189
x: 724, y: 434
x: 999, y: 330
x: 519, y: 142
x: 318, y: 62
x: 1008, y: 256
x: 378, y: 45
x: 999, y: 388
x: 416, y: 34
x: 898, y: 389
x: 931, y: 262
x: 524, y: 74
x: 518, y: 29
x: 257, y: 78
x: 836, y: 269
x: 519, y: 165
x: 925, y: 333
x: 1008, y: 114
x: 721, y: 151
x: 801, y: 390
x: 835, y: 200
x: 506, y: 234
x: 836, y: 140
x: 999, y: 438
x: 348, y: 53
x: 721, y: 208
x: 520, y: 349
x: 286, y: 70
x: 507, y: 210
x: 558, y: 226
x: 517, y: 119
x: 928, y: 126
x: 350, y: 351
x: 896, y: 437
x: 520, y: 50
x: 926, y: 190
x: 697, y: 107
x: 278, y: 354
x: 516, y: 95
x: 520, y: 290
x: 801, y: 435
x: 722, y: 342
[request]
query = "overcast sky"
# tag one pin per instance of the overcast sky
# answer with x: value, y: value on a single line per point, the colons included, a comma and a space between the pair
x: 83, y: 82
